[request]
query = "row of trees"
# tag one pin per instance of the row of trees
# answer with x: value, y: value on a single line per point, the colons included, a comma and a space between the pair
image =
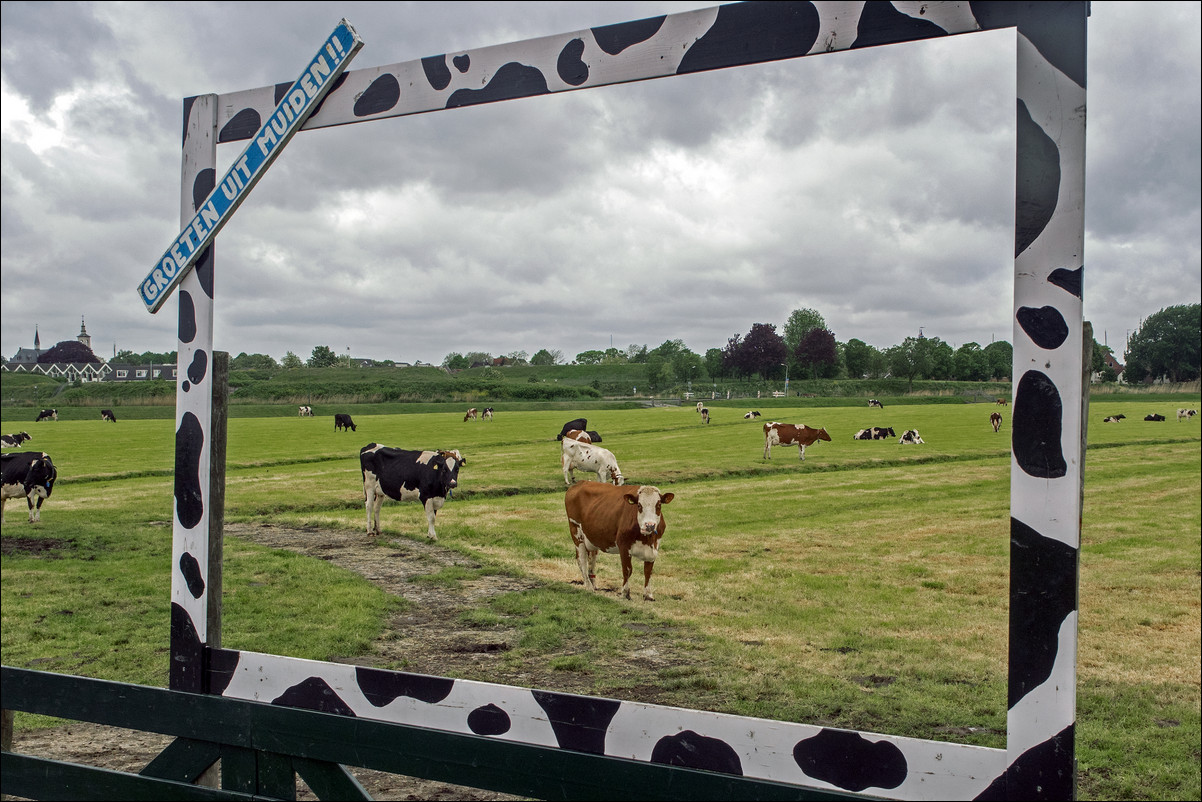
x: 1165, y: 346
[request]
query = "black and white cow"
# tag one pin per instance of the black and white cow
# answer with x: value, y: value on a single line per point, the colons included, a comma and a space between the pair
x: 304, y: 411
x: 752, y: 415
x: 30, y: 474
x: 1185, y: 414
x: 425, y: 476
x: 486, y: 414
x: 107, y: 414
x: 47, y: 414
x: 343, y: 421
x: 579, y: 423
x: 1154, y: 417
x: 14, y: 440
x: 872, y: 402
x: 705, y: 415
x: 910, y: 437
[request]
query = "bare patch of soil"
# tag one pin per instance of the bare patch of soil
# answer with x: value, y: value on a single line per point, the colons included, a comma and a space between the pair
x: 427, y: 637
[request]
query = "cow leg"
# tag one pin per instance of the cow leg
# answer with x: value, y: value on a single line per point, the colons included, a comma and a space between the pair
x: 432, y: 506
x: 767, y: 450
x: 369, y: 501
x: 802, y: 450
x: 627, y: 570
x: 586, y: 560
x: 3, y: 504
x: 568, y: 475
x: 648, y: 595
x: 35, y: 511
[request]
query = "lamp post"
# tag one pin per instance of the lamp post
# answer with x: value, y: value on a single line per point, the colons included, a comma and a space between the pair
x: 786, y: 366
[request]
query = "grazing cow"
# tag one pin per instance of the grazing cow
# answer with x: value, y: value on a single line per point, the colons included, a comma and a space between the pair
x: 471, y: 415
x: 700, y: 406
x: 1113, y: 419
x: 30, y: 474
x: 425, y: 476
x: 786, y: 434
x: 1154, y: 417
x: 14, y: 440
x: 47, y: 414
x: 995, y: 420
x: 579, y: 455
x: 705, y: 415
x: 628, y: 521
x: 752, y: 415
x: 304, y: 411
x: 1185, y: 414
x: 487, y: 414
x: 872, y: 402
x: 1001, y: 402
x: 107, y: 414
x: 910, y: 438
x: 579, y: 423
x: 343, y: 421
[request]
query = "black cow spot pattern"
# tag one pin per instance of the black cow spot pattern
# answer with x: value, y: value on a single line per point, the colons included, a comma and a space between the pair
x: 242, y: 125
x: 693, y: 751
x: 745, y: 33
x: 314, y: 694
x: 883, y: 25
x: 579, y: 722
x: 383, y: 94
x: 513, y: 80
x: 222, y: 664
x: 187, y: 317
x: 462, y: 63
x: 198, y: 367
x: 1057, y: 36
x: 204, y: 270
x: 437, y: 73
x: 189, y: 102
x: 1037, y: 181
x: 1043, y: 574
x: 337, y: 83
x: 1037, y: 422
x: 202, y: 186
x: 613, y: 39
x: 185, y: 670
x: 1038, y: 773
x: 850, y: 761
x: 1068, y: 280
x: 1045, y: 326
x: 488, y: 720
x: 383, y: 687
x: 190, y: 568
x: 189, y: 443
x: 572, y: 70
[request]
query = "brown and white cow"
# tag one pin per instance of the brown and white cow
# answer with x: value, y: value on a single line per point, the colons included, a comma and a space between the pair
x: 627, y: 521
x: 786, y: 434
x: 1001, y: 402
x: 471, y: 415
x: 582, y: 455
x: 995, y: 420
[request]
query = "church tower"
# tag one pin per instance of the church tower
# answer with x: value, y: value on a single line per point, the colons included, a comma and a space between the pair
x: 37, y: 341
x: 83, y: 335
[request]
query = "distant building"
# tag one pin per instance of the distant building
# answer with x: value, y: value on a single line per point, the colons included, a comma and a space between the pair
x: 86, y: 367
x: 141, y: 373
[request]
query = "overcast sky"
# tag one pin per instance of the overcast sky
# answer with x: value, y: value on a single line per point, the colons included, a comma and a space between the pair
x: 874, y: 186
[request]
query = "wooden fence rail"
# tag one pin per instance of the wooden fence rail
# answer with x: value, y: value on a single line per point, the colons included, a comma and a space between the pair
x: 262, y: 748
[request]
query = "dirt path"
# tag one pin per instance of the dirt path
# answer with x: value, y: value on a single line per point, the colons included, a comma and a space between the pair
x: 426, y: 638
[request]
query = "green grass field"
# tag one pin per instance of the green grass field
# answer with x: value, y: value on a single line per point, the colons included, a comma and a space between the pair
x: 865, y: 587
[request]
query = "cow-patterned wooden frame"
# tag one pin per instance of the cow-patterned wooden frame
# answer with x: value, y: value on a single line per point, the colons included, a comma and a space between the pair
x: 1048, y: 415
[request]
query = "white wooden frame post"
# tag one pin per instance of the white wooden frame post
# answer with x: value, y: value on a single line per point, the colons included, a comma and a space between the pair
x: 1048, y: 419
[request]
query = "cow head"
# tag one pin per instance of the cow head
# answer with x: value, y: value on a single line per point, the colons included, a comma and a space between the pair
x: 40, y: 479
x: 824, y: 435
x: 648, y: 500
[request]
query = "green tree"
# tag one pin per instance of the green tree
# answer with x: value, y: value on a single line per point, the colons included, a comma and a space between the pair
x: 455, y: 361
x: 544, y: 356
x: 1167, y: 345
x: 800, y: 323
x: 518, y: 357
x: 636, y: 353
x: 245, y: 361
x: 1001, y: 360
x: 714, y: 363
x: 970, y: 363
x: 478, y: 358
x: 911, y: 360
x: 322, y: 357
x: 291, y: 361
x: 590, y: 357
x: 614, y: 357
x: 858, y: 356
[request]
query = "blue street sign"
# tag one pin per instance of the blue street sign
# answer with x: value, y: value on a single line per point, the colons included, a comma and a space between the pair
x: 299, y: 102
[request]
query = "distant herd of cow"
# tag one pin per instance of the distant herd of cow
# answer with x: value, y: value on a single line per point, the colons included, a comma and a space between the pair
x: 603, y: 516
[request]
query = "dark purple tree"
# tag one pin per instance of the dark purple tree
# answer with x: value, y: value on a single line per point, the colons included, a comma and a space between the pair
x: 817, y: 354
x: 68, y: 351
x: 763, y: 351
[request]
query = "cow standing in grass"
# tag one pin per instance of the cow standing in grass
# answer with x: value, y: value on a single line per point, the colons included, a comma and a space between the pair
x: 30, y: 474
x: 786, y: 434
x: 627, y: 521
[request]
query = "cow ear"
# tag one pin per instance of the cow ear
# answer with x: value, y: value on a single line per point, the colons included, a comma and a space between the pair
x: 666, y: 497
x: 631, y: 499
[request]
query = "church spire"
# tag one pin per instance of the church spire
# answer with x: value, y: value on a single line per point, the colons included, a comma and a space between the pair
x: 37, y: 342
